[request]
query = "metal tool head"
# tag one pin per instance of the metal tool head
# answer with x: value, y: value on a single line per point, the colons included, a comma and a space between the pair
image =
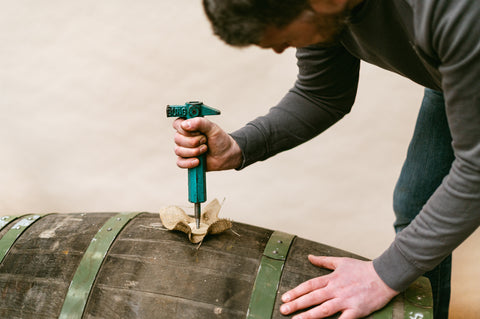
x: 190, y: 110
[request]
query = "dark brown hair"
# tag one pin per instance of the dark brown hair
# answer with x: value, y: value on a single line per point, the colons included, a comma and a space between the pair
x: 243, y: 22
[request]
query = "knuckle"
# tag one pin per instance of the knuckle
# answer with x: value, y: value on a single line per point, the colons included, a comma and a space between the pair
x: 194, y: 142
x: 187, y: 141
x: 186, y: 162
x: 326, y: 309
x: 177, y: 123
x: 312, y: 314
x: 312, y: 284
x: 178, y: 150
x: 317, y: 294
x: 293, y: 306
x: 180, y: 163
x: 177, y: 138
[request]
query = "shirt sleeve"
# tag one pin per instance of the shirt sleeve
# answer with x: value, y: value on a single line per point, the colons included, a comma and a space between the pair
x: 448, y: 32
x: 323, y: 93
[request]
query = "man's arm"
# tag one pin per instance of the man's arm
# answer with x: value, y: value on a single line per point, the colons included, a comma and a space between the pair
x: 447, y: 32
x: 323, y: 93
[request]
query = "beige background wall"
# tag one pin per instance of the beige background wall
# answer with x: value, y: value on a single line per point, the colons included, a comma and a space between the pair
x: 83, y: 90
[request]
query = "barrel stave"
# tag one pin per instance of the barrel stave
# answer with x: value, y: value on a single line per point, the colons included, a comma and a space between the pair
x: 213, y: 280
x: 134, y: 304
x: 30, y: 298
x: 49, y: 252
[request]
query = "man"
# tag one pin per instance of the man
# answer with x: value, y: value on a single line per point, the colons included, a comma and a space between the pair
x: 437, y: 198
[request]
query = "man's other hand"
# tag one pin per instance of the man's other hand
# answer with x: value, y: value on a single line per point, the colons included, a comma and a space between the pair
x: 353, y: 288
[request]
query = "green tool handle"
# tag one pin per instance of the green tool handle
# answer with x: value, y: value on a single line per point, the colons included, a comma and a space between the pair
x: 197, y: 189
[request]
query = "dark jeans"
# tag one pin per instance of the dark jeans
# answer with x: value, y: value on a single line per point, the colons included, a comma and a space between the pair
x: 428, y: 161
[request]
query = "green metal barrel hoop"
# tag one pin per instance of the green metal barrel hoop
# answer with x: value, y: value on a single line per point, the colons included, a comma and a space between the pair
x: 414, y: 303
x: 5, y: 220
x: 419, y: 300
x: 86, y: 273
x: 7, y: 241
x: 269, y: 273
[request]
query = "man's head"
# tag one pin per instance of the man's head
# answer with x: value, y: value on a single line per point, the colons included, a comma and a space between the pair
x: 243, y: 22
x: 276, y: 24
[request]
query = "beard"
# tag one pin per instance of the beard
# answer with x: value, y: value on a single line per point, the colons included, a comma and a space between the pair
x: 330, y: 26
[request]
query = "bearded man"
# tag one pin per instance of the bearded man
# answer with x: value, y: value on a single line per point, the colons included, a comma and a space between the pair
x: 436, y: 44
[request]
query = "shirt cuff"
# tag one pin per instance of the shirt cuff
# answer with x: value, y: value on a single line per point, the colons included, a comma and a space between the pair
x: 253, y: 148
x: 395, y: 269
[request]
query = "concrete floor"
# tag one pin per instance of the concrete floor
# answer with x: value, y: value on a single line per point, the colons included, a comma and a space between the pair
x: 83, y: 90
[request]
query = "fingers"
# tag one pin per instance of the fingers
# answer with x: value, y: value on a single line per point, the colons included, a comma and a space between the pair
x: 324, y: 262
x: 314, y: 297
x: 187, y: 162
x: 187, y: 155
x: 190, y: 143
x: 313, y: 292
x: 193, y: 126
x: 305, y: 295
x: 315, y: 283
x: 326, y: 309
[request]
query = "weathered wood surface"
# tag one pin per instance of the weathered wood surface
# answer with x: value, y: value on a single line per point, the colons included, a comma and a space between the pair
x: 149, y: 272
x: 36, y: 273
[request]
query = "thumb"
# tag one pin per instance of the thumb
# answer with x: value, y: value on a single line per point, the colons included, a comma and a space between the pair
x: 324, y: 262
x: 197, y: 124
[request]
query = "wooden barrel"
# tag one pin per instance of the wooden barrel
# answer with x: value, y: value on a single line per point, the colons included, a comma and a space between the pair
x: 110, y: 265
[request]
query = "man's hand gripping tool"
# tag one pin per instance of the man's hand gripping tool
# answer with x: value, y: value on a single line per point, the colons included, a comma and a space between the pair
x: 197, y: 188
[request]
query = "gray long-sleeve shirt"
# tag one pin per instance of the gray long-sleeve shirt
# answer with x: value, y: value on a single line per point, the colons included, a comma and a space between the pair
x: 435, y: 43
